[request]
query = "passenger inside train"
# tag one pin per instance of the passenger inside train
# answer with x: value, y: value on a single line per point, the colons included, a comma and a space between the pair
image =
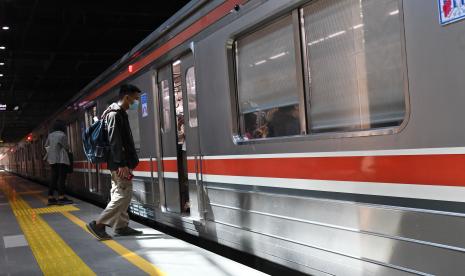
x: 274, y: 122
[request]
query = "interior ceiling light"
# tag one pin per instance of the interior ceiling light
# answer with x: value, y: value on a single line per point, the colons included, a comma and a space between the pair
x: 1, y: 75
x: 2, y: 63
x: 5, y: 28
x: 16, y: 108
x: 2, y: 47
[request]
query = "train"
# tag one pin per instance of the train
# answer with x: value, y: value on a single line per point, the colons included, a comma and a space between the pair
x: 322, y: 135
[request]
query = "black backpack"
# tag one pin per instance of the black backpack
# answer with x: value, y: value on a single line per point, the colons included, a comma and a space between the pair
x: 95, y: 140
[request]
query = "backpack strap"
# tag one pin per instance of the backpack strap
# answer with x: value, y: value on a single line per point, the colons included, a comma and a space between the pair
x: 106, y: 112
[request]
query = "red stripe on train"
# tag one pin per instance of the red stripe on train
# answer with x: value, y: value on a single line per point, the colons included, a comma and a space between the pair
x: 447, y: 170
x: 196, y: 27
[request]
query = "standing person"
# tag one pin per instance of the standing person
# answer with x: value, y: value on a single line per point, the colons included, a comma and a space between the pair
x: 121, y: 161
x: 57, y: 148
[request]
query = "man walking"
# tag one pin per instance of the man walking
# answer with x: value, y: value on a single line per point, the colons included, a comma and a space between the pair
x: 122, y: 160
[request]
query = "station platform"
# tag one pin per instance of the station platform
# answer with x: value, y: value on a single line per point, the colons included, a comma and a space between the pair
x: 37, y: 239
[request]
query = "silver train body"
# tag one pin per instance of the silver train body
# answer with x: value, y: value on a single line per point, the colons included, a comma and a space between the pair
x: 368, y: 180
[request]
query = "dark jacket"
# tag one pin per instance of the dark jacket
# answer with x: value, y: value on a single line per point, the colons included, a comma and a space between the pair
x: 122, y: 150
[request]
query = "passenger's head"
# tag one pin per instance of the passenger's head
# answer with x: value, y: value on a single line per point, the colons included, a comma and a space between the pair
x: 59, y: 125
x: 129, y: 96
x: 250, y: 120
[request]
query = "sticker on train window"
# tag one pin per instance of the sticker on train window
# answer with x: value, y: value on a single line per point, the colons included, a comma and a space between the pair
x: 143, y: 100
x: 451, y: 11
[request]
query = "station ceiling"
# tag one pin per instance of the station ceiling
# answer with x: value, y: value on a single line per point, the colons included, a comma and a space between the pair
x: 51, y: 49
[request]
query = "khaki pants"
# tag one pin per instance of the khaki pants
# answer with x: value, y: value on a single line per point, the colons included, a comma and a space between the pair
x: 115, y: 214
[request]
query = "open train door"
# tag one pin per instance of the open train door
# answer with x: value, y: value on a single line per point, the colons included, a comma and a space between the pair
x: 167, y: 161
x: 192, y: 140
x: 179, y: 137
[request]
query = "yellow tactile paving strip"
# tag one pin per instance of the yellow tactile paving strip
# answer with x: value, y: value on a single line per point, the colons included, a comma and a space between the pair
x: 25, y: 214
x: 53, y: 255
x: 132, y: 257
x: 45, y: 210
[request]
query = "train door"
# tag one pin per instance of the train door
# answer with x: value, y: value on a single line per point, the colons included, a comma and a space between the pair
x: 92, y: 171
x: 167, y: 165
x: 191, y: 138
x: 173, y: 156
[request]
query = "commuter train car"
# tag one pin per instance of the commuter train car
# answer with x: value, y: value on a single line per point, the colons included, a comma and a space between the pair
x: 323, y: 135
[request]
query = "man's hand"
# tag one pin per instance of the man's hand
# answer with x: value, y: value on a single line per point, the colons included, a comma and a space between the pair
x: 123, y: 172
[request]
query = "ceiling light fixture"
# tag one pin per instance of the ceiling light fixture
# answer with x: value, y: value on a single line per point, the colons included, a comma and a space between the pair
x: 2, y: 63
x: 2, y: 47
x: 5, y: 28
x: 1, y: 75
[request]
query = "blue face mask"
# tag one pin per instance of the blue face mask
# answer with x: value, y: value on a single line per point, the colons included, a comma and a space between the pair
x: 134, y: 105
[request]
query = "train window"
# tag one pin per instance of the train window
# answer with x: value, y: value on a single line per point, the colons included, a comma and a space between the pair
x: 354, y: 59
x: 165, y: 93
x: 91, y: 116
x: 192, y: 97
x: 70, y: 136
x: 29, y: 152
x: 267, y: 81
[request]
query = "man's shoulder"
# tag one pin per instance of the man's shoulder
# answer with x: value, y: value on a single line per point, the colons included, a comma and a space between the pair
x: 113, y: 110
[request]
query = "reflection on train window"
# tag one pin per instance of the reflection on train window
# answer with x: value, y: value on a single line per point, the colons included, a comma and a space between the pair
x: 165, y: 94
x: 353, y: 56
x: 267, y: 81
x: 191, y: 94
x: 355, y: 64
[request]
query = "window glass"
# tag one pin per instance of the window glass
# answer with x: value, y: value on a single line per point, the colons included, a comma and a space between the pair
x: 267, y: 81
x: 192, y: 98
x: 354, y: 56
x: 165, y: 94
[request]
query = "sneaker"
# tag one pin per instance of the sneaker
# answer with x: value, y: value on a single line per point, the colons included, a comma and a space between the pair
x: 127, y: 231
x: 101, y: 235
x: 65, y: 201
x: 52, y: 201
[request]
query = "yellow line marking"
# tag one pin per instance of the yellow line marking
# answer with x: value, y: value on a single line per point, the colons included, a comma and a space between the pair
x: 55, y: 209
x: 132, y: 257
x: 53, y: 255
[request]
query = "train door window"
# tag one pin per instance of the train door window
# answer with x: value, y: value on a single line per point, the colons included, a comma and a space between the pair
x: 354, y: 59
x: 91, y: 116
x: 165, y: 103
x: 178, y: 101
x: 71, y: 137
x: 93, y: 170
x: 29, y: 152
x: 270, y: 92
x: 192, y: 97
